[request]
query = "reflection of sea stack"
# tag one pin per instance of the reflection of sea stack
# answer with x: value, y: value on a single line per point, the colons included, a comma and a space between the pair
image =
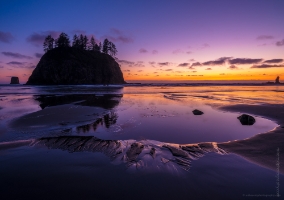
x: 277, y: 80
x: 14, y: 80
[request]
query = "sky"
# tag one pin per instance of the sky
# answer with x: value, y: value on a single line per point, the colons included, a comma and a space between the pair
x: 157, y: 40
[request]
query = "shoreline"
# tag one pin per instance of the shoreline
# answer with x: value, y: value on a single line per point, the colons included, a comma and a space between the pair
x: 263, y: 149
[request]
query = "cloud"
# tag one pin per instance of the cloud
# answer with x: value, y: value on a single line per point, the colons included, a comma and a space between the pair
x: 265, y: 37
x: 37, y: 39
x: 243, y: 61
x: 117, y: 35
x: 1, y: 67
x: 6, y: 37
x: 177, y: 51
x: 188, y: 52
x: 183, y: 64
x: 168, y: 70
x: 191, y: 60
x: 205, y: 45
x: 273, y: 61
x: 222, y: 74
x: 16, y: 55
x: 194, y: 71
x: 219, y: 61
x: 164, y: 64
x: 152, y: 63
x: 233, y: 67
x: 38, y: 55
x: 125, y: 62
x: 208, y: 69
x: 196, y: 64
x: 142, y: 50
x: 78, y: 32
x: 266, y: 66
x: 280, y: 43
x: 154, y: 52
x: 15, y: 63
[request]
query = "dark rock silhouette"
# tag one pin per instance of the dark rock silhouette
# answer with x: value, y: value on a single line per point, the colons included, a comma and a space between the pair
x: 73, y: 66
x: 14, y: 80
x: 197, y: 112
x: 246, y: 119
x: 277, y: 80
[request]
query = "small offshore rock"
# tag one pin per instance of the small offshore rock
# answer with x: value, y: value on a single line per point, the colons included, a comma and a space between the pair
x: 246, y: 119
x: 197, y: 112
x: 14, y: 80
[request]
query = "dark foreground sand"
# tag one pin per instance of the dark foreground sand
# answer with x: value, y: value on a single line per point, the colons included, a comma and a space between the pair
x: 264, y: 149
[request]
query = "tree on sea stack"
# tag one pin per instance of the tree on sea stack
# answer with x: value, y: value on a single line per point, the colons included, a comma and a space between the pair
x: 76, y: 42
x: 62, y: 41
x: 109, y: 48
x: 48, y: 43
x: 93, y: 46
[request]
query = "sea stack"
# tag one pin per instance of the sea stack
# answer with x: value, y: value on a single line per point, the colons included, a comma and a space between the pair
x: 277, y: 80
x: 14, y: 80
x: 74, y: 66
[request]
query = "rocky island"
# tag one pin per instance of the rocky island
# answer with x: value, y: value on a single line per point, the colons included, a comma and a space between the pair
x: 14, y: 80
x: 79, y: 64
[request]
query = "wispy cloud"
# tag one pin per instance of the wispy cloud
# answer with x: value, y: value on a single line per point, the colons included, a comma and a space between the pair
x: 16, y: 55
x: 219, y: 61
x: 154, y: 52
x: 142, y: 50
x: 243, y: 61
x: 196, y: 64
x: 265, y: 37
x: 6, y: 37
x: 125, y: 62
x: 266, y: 66
x: 177, y: 51
x: 15, y: 63
x: 208, y: 69
x: 183, y: 64
x: 38, y: 38
x: 164, y: 63
x: 232, y: 67
x: 280, y: 43
x: 273, y: 61
x: 38, y: 55
x: 117, y: 35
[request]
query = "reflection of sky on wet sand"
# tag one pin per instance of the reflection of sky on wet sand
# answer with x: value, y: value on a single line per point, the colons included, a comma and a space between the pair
x: 158, y: 118
x: 157, y: 113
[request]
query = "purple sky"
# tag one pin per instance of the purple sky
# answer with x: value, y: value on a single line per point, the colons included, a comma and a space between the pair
x: 157, y: 40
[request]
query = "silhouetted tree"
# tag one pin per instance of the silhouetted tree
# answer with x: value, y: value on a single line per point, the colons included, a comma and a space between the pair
x: 76, y: 42
x: 112, y: 50
x: 62, y: 41
x: 100, y: 46
x: 85, y: 42
x: 93, y: 46
x: 81, y: 41
x: 105, y: 46
x: 48, y: 43
x: 109, y: 48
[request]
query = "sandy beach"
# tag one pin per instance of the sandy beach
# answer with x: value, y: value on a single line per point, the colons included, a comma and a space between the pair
x: 264, y: 149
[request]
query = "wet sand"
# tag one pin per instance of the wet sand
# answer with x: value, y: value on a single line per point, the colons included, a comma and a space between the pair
x: 264, y: 149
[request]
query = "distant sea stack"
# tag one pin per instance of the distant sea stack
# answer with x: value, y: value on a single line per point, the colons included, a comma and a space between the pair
x: 14, y: 80
x: 277, y: 80
x: 74, y: 66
